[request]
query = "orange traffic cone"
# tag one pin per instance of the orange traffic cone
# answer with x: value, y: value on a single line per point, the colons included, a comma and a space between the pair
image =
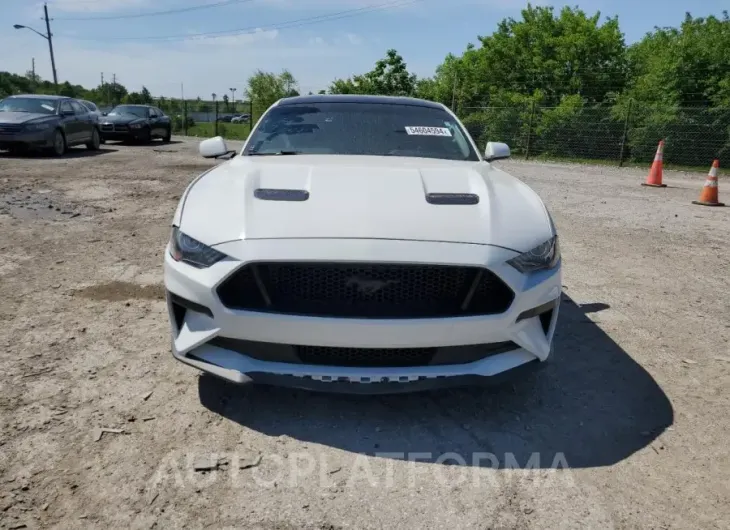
x: 709, y: 194
x: 654, y: 178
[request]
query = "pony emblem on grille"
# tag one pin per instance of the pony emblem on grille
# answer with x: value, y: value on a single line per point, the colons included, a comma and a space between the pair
x: 369, y: 287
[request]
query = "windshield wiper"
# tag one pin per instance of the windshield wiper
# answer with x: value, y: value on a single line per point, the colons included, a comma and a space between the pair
x: 275, y: 153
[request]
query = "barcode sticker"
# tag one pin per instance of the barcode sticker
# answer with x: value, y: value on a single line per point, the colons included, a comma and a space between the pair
x: 428, y: 131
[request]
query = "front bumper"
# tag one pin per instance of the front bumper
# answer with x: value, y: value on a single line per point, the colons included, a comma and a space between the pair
x: 32, y: 139
x: 198, y: 338
x: 119, y: 134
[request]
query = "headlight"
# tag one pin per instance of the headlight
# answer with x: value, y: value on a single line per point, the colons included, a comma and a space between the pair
x: 135, y: 125
x: 37, y: 126
x: 191, y: 251
x: 545, y: 256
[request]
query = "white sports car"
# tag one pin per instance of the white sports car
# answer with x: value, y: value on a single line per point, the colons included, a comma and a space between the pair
x: 361, y: 244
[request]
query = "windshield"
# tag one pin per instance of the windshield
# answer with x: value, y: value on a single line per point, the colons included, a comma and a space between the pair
x: 34, y: 105
x: 129, y: 109
x: 379, y: 129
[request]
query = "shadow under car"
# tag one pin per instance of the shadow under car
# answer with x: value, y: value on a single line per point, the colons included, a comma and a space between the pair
x: 592, y: 403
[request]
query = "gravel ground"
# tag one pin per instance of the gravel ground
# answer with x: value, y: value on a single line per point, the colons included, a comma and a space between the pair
x: 626, y: 428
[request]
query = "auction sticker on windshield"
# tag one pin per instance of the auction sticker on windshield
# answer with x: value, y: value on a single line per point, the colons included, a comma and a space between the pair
x: 428, y: 131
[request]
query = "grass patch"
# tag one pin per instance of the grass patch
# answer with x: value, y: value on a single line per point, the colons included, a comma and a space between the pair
x: 230, y: 131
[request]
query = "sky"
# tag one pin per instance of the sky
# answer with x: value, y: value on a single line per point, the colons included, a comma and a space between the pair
x: 218, y: 44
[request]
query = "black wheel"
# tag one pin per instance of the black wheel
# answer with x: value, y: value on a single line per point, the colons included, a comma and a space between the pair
x: 95, y: 141
x: 145, y: 136
x: 59, y: 143
x: 168, y: 135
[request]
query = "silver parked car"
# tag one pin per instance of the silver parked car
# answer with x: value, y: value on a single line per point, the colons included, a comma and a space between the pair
x: 93, y: 109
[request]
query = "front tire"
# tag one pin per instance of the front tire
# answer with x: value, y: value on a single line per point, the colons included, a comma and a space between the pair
x: 95, y: 142
x: 59, y: 143
x: 145, y: 136
x: 168, y: 135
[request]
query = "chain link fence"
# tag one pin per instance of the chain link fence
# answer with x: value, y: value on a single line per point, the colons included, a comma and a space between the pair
x: 207, y: 119
x: 622, y: 134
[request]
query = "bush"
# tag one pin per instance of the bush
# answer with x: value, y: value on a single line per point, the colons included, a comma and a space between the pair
x: 498, y: 124
x: 177, y: 123
x: 476, y: 126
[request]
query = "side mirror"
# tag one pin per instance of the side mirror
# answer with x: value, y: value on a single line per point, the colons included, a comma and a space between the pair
x: 496, y: 151
x: 104, y: 113
x: 67, y: 113
x: 213, y: 147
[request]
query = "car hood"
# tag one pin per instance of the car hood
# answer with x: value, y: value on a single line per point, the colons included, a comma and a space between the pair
x: 122, y: 118
x: 22, y: 117
x: 362, y: 197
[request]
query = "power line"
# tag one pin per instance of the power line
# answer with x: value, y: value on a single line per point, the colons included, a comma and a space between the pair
x: 253, y: 29
x: 157, y: 13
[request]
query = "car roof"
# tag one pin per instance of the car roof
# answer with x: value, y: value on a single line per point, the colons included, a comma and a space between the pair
x: 134, y: 105
x: 38, y: 96
x: 355, y: 98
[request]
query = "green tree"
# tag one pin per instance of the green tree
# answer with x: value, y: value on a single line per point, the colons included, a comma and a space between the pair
x: 679, y: 88
x: 685, y: 66
x: 146, y: 97
x: 290, y: 84
x: 390, y: 77
x: 114, y: 93
x: 265, y: 88
x: 569, y: 53
x: 444, y: 86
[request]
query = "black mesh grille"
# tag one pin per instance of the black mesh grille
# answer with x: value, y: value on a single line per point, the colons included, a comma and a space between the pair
x: 10, y: 128
x: 370, y: 357
x: 366, y: 290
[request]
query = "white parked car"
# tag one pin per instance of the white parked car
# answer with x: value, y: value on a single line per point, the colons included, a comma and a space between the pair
x: 361, y: 244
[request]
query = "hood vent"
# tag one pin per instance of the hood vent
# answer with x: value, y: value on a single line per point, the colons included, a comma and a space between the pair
x: 271, y: 194
x: 452, y: 198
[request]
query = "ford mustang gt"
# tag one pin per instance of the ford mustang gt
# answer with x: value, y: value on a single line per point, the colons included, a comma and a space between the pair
x: 361, y: 244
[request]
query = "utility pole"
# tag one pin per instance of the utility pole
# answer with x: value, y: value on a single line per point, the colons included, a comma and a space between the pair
x: 50, y: 44
x: 111, y: 90
x: 215, y: 115
x: 233, y: 98
x: 32, y: 72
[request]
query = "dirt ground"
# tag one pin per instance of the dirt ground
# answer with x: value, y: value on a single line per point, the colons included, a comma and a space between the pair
x: 626, y: 427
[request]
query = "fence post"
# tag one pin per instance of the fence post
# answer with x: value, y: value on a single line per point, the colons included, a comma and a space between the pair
x: 185, y: 117
x: 250, y: 118
x: 529, y: 130
x: 626, y: 130
x: 215, y: 104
